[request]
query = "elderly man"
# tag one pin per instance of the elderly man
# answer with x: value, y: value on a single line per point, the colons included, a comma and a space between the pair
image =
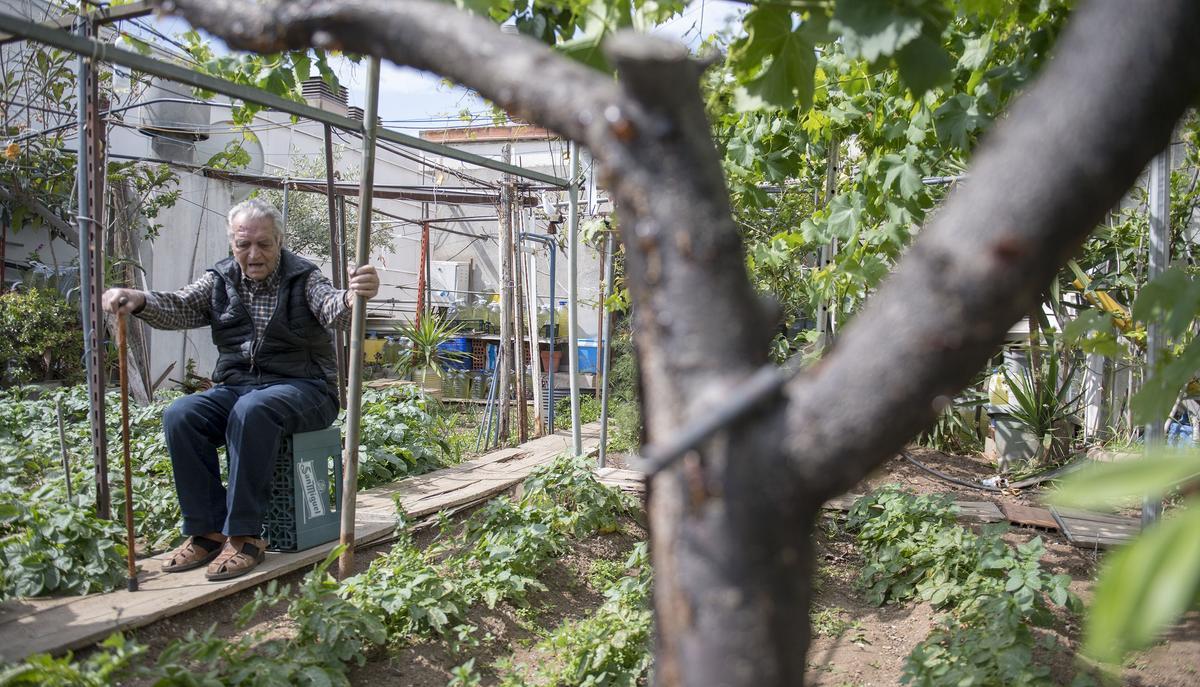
x: 269, y: 311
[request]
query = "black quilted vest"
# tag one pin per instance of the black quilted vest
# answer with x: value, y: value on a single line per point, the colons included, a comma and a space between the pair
x: 295, y: 345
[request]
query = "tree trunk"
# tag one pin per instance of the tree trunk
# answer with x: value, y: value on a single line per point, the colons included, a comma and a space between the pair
x: 731, y: 521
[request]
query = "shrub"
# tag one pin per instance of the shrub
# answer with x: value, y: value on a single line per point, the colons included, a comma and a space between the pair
x: 40, y: 337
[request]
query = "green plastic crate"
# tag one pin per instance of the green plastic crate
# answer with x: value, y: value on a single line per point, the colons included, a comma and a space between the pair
x: 306, y: 492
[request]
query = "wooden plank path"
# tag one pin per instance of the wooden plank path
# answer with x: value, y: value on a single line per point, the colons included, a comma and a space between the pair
x: 30, y: 626
x: 1089, y: 530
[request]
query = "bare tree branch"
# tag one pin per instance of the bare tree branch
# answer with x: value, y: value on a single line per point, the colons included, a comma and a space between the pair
x: 1103, y: 107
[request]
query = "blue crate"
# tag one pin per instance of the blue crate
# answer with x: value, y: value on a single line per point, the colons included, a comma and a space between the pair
x: 306, y: 492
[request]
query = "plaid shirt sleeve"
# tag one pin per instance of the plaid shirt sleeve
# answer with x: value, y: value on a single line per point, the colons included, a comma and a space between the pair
x: 186, y: 308
x: 328, y: 304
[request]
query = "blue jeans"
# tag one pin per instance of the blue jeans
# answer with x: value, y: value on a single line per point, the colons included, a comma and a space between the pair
x: 249, y: 421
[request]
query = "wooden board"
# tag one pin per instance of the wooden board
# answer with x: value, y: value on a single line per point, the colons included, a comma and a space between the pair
x: 29, y: 626
x: 979, y: 511
x: 1028, y: 516
x: 1089, y: 530
x: 631, y: 481
x: 843, y: 502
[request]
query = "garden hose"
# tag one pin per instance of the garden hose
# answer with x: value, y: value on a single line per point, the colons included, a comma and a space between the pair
x: 1023, y: 484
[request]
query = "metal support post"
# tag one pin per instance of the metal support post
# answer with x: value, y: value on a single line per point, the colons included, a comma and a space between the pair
x: 552, y: 249
x: 506, y: 361
x: 91, y: 267
x: 573, y: 296
x: 422, y: 285
x: 1160, y: 255
x: 338, y: 278
x: 606, y: 341
x: 358, y: 324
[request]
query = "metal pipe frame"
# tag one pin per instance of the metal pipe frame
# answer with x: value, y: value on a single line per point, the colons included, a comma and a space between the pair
x: 105, y: 52
x: 551, y: 248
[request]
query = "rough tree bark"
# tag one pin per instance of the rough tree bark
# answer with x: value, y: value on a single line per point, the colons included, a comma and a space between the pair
x: 731, y: 522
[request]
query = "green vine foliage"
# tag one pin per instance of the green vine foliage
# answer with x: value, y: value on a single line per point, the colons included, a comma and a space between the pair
x: 992, y: 594
x: 54, y: 545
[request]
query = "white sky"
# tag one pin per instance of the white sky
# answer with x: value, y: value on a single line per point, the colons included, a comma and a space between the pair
x: 410, y: 100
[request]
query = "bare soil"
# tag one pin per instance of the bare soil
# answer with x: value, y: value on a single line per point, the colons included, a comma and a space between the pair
x: 854, y: 643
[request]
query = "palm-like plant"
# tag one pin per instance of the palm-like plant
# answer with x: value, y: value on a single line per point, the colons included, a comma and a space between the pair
x: 1042, y: 400
x: 424, y: 353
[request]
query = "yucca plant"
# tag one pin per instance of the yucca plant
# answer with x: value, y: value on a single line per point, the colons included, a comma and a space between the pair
x: 425, y: 336
x: 1042, y: 400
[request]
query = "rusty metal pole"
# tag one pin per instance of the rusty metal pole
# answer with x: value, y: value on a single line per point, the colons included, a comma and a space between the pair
x: 519, y: 329
x: 122, y: 370
x: 358, y: 324
x: 338, y: 278
x: 91, y: 267
x: 422, y: 284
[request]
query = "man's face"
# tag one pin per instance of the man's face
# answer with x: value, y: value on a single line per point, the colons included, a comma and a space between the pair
x: 255, y: 247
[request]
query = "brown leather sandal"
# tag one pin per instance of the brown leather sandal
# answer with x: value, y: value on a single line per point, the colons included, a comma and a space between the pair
x: 195, y: 552
x: 237, y: 562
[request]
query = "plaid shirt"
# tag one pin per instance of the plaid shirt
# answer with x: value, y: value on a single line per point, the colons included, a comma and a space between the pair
x: 188, y: 307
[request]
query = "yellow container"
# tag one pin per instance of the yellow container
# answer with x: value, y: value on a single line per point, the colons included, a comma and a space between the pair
x: 373, y: 350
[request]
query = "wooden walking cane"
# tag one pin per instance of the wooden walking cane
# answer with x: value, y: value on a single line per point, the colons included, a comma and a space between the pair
x: 123, y: 364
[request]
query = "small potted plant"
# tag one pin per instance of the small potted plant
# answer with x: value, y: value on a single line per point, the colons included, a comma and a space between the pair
x: 425, y: 352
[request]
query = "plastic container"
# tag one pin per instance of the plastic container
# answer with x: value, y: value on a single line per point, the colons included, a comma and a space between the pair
x: 588, y: 358
x: 560, y: 318
x: 306, y: 492
x: 490, y: 363
x: 494, y: 314
x: 459, y: 344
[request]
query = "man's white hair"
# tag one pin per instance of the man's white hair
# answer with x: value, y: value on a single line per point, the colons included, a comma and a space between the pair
x: 256, y: 209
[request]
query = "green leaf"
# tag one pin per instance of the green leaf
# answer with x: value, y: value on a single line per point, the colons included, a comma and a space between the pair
x: 924, y: 63
x: 901, y: 176
x: 975, y: 52
x: 775, y: 63
x: 1155, y: 400
x: 872, y: 29
x: 1173, y: 298
x: 1109, y: 483
x: 956, y: 120
x: 1146, y: 586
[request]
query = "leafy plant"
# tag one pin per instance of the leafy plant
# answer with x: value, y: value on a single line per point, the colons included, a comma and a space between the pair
x: 1147, y: 585
x: 1044, y: 400
x: 330, y: 634
x: 608, y: 648
x: 993, y: 594
x: 113, y: 661
x: 426, y: 337
x: 48, y: 547
x: 40, y: 337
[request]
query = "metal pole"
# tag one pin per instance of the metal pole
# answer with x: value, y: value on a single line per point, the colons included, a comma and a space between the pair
x: 504, y: 362
x: 338, y: 279
x: 529, y: 269
x: 1160, y: 255
x: 358, y: 323
x: 284, y: 212
x: 122, y: 370
x: 573, y: 296
x: 606, y: 339
x: 518, y: 316
x: 552, y: 248
x: 91, y: 316
x: 422, y: 284
x: 62, y: 447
